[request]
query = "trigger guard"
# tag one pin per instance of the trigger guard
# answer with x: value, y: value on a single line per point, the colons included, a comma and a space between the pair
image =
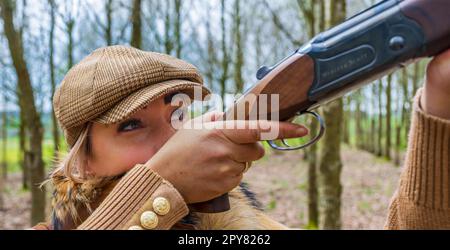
x: 313, y: 141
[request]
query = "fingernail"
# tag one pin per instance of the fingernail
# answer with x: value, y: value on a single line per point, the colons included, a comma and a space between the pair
x: 301, y: 131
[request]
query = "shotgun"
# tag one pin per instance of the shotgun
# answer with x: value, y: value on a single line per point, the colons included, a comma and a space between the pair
x: 378, y: 41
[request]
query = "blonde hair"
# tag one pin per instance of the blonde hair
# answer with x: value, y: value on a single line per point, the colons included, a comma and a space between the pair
x: 74, y: 185
x: 74, y: 164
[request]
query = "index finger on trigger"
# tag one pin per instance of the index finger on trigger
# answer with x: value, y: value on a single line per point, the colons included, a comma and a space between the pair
x: 242, y: 132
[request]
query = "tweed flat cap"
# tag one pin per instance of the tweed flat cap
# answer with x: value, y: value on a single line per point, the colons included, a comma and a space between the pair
x: 114, y: 82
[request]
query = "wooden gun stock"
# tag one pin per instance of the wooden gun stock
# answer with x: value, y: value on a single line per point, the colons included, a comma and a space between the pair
x: 366, y: 47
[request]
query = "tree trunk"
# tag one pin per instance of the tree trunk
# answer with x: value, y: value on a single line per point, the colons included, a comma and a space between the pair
x: 405, y: 118
x: 388, y: 118
x: 313, y: 193
x: 55, y: 130
x: 178, y: 25
x: 211, y: 56
x: 136, y: 36
x: 401, y: 106
x: 2, y: 202
x: 239, y: 53
x: 398, y: 131
x: 32, y: 117
x: 4, y: 162
x: 380, y: 118
x: 70, y: 28
x: 168, y: 43
x: 108, y: 27
x: 22, y: 142
x: 347, y: 118
x: 331, y: 167
x: 416, y: 77
x: 330, y: 163
x: 225, y: 58
x: 372, y: 134
x: 308, y: 9
x: 358, y: 120
x: 365, y: 130
x: 415, y: 87
x: 373, y: 122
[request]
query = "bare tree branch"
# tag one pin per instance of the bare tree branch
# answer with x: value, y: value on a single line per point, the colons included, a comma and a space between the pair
x: 89, y: 9
x: 277, y: 22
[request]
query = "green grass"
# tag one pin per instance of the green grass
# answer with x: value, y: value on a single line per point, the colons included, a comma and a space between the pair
x: 368, y: 191
x: 382, y: 159
x: 272, y: 205
x: 283, y: 184
x: 366, y: 127
x: 364, y: 206
x: 302, y: 186
x: 12, y: 154
x: 311, y: 227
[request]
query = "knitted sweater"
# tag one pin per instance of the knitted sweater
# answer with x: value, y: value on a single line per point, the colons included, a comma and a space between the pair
x: 422, y: 200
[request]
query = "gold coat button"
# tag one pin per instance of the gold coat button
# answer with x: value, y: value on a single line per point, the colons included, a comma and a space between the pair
x: 149, y: 220
x: 161, y: 206
x: 135, y: 228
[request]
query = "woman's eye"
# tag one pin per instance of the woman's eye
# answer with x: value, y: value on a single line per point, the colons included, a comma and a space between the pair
x: 130, y: 125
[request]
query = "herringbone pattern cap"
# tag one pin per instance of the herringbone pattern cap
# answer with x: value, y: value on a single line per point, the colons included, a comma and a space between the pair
x: 114, y: 82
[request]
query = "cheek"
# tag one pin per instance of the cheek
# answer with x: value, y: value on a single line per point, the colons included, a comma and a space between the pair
x: 140, y: 151
x: 114, y: 156
x: 136, y: 155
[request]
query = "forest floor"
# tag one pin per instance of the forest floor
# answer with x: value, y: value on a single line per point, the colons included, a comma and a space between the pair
x: 280, y: 182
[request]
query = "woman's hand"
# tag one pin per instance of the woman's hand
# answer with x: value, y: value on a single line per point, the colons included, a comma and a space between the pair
x: 436, y: 96
x: 203, y: 164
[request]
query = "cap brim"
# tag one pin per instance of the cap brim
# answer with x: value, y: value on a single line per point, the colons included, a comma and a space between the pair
x: 144, y: 96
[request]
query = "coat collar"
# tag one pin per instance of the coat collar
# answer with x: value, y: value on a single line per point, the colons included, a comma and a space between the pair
x: 73, y: 202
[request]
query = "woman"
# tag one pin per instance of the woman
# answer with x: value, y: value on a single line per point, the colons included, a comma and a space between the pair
x: 129, y: 167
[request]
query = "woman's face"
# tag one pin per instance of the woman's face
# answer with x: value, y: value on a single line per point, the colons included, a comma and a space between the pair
x: 117, y: 148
